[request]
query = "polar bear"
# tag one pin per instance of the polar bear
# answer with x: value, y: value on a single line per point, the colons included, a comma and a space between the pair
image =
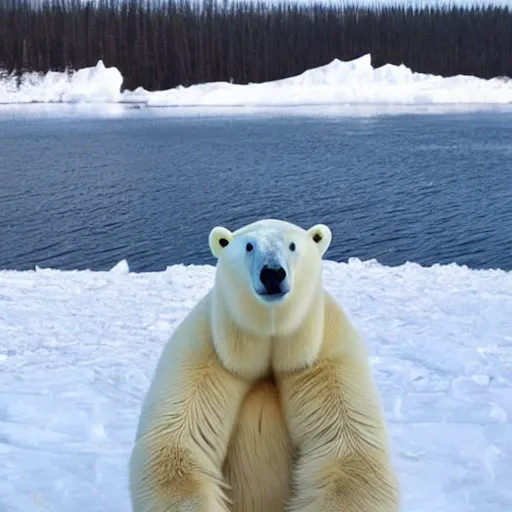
x: 263, y: 399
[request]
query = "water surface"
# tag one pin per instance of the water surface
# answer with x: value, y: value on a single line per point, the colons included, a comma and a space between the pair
x: 86, y: 188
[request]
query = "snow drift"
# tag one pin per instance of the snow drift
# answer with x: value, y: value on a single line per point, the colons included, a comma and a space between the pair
x: 351, y: 82
x: 78, y: 351
x: 89, y: 85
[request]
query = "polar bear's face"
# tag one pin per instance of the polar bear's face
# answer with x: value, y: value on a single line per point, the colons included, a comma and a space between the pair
x: 270, y: 262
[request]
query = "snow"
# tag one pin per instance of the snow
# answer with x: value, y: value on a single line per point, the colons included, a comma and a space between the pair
x: 78, y: 350
x: 336, y: 83
x: 97, y: 84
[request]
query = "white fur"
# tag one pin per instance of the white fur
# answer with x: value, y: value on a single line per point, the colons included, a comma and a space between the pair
x: 264, y: 405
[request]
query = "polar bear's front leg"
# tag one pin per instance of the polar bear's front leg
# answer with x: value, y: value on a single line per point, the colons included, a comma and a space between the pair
x: 185, y: 426
x: 338, y: 432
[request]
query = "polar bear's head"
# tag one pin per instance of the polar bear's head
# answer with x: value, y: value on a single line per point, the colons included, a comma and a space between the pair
x: 270, y: 267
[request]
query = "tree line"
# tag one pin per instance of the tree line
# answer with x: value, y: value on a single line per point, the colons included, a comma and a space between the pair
x: 161, y: 44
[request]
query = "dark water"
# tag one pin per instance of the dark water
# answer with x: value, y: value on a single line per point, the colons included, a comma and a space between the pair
x: 87, y: 190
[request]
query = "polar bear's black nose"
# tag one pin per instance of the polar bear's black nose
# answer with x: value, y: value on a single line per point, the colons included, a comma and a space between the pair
x: 271, y: 278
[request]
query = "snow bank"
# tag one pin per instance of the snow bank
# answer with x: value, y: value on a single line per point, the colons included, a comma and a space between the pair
x: 78, y: 350
x: 352, y: 82
x: 97, y: 84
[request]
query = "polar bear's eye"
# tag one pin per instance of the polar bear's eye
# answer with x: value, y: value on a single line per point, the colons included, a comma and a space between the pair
x: 249, y: 247
x: 292, y: 247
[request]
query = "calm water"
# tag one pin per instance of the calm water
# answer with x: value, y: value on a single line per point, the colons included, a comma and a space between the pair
x: 85, y: 190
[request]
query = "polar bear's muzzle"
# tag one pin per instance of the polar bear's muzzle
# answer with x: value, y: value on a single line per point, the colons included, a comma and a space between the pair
x: 274, y: 283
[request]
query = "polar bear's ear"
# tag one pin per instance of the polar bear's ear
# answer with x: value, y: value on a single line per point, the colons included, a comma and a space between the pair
x: 219, y: 238
x: 322, y: 236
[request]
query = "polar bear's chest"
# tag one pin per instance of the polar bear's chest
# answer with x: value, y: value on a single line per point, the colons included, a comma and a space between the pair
x: 258, y: 461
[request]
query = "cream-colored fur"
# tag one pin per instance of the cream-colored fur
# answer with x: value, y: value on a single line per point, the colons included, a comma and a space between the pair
x: 258, y: 407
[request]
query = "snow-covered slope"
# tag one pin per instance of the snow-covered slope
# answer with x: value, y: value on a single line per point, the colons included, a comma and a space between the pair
x: 352, y: 82
x: 89, y: 85
x: 78, y: 349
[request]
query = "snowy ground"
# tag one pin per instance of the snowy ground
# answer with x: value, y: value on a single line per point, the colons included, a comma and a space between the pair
x: 337, y: 83
x: 77, y: 352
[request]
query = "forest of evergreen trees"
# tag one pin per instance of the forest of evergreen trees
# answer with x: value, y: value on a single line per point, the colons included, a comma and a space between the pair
x: 161, y: 44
